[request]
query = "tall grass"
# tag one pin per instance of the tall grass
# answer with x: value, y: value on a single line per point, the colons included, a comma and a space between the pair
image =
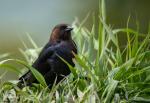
x: 104, y: 72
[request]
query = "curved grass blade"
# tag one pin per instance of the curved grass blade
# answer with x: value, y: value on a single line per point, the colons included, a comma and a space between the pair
x: 36, y: 74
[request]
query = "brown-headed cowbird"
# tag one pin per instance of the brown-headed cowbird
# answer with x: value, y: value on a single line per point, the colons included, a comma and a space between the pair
x: 49, y: 63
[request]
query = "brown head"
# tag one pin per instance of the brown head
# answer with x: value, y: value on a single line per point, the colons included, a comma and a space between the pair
x: 61, y: 32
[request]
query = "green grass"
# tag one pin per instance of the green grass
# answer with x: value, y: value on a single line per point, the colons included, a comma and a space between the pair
x: 106, y: 71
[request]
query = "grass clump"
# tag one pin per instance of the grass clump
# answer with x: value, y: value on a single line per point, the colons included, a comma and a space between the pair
x: 104, y: 73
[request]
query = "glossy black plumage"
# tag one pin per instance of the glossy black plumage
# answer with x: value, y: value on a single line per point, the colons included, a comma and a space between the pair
x: 48, y: 63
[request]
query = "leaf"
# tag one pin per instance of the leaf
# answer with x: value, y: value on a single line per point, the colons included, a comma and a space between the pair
x: 109, y: 91
x: 10, y: 67
x: 36, y: 74
x: 140, y: 99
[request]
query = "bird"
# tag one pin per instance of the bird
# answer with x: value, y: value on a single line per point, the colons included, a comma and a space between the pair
x: 49, y: 63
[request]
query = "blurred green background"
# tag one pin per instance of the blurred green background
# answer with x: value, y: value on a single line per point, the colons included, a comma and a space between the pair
x: 38, y: 17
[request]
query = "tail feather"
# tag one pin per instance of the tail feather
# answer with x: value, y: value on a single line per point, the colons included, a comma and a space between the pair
x: 26, y: 80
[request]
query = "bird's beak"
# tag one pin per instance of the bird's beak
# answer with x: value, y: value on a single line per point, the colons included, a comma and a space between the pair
x: 69, y: 29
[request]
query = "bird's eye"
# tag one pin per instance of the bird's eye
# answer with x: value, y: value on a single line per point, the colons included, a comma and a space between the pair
x: 64, y: 27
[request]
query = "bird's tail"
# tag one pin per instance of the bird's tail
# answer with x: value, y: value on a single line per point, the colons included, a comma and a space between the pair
x: 25, y: 80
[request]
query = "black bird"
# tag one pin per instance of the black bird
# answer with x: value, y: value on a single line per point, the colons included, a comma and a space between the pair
x: 49, y: 63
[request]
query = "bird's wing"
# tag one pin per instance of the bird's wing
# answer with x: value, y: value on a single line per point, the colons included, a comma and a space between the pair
x: 56, y: 64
